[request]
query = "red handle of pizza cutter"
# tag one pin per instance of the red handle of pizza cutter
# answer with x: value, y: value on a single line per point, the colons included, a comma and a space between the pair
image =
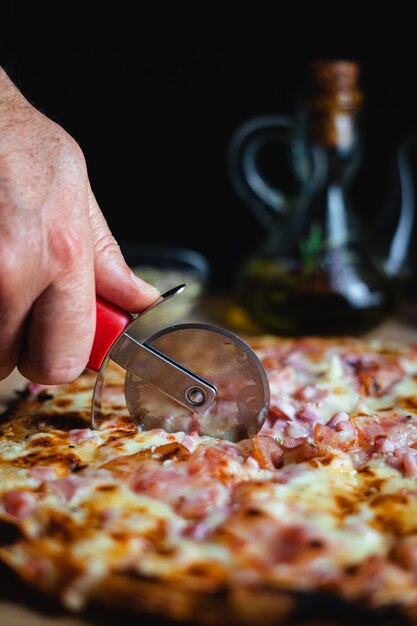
x: 111, y: 322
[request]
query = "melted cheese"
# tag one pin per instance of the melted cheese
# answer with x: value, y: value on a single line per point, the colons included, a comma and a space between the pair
x: 207, y: 514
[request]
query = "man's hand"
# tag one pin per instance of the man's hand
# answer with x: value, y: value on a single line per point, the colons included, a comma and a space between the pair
x: 56, y: 250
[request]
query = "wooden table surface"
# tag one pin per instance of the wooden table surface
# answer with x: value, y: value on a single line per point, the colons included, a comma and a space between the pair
x: 20, y: 607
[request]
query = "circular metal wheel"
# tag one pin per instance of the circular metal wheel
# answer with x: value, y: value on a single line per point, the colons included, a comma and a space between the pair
x: 221, y: 358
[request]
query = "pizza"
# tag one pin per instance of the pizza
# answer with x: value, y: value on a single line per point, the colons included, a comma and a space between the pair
x: 314, y: 516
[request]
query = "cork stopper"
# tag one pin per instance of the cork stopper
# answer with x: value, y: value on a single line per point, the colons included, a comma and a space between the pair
x: 333, y: 96
x: 335, y: 80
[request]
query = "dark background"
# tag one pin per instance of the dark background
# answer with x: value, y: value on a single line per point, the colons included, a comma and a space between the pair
x: 153, y: 98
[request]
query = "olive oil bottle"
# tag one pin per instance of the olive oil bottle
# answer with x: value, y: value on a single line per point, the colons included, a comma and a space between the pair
x: 314, y: 273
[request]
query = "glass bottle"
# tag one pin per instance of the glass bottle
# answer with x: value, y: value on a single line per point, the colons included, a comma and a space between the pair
x: 314, y: 273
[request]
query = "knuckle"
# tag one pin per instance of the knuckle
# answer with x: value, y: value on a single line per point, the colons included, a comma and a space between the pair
x: 106, y: 245
x: 67, y: 245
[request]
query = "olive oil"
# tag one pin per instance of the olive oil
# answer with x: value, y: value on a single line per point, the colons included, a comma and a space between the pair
x: 282, y: 300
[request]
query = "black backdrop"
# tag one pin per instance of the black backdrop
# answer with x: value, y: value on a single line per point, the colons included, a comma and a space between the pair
x: 153, y: 95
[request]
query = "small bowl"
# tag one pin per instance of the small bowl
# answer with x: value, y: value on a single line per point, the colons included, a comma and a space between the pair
x: 166, y: 267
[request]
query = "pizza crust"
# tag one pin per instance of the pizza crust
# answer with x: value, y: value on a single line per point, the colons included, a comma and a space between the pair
x: 122, y: 598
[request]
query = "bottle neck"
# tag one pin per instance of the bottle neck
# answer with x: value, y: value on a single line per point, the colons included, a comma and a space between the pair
x: 327, y: 150
x: 333, y: 129
x: 329, y: 144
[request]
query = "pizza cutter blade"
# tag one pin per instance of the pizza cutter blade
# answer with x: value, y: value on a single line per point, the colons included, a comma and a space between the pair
x: 187, y: 377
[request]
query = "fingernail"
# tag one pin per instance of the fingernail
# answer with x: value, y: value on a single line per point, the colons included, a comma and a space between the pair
x: 150, y: 289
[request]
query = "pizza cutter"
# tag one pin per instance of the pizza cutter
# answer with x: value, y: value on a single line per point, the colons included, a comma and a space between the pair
x: 188, y: 377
